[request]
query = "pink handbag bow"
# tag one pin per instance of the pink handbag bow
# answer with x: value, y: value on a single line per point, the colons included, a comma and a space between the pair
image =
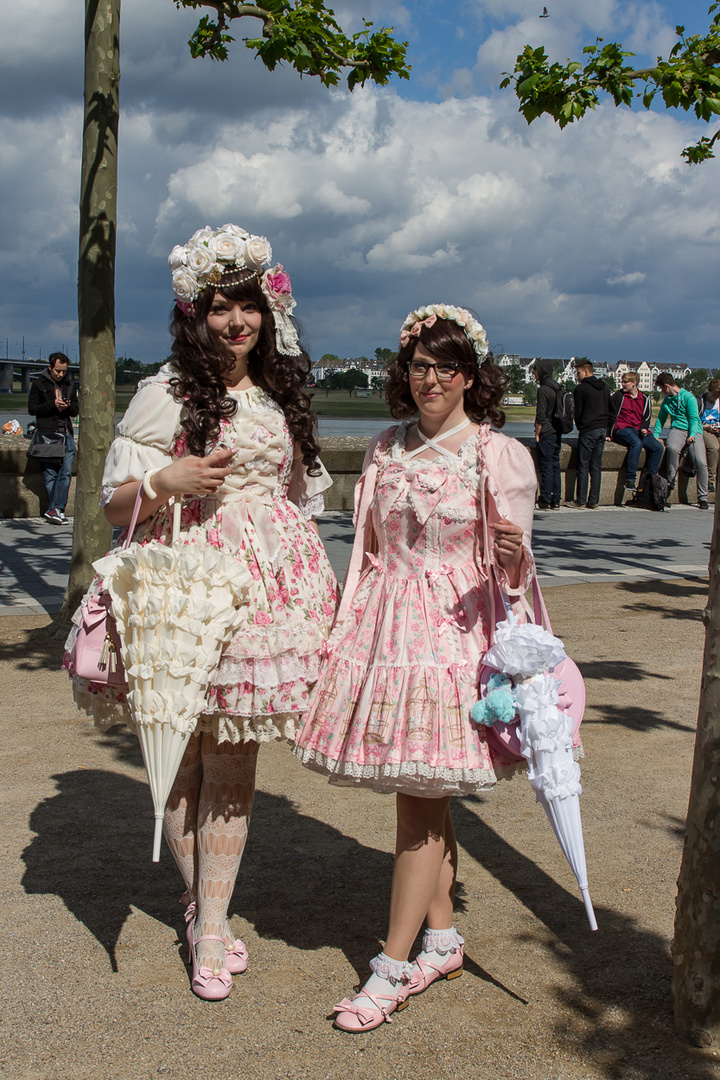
x: 415, y: 329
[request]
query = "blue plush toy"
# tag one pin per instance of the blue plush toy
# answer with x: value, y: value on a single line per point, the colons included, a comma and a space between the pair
x: 498, y: 703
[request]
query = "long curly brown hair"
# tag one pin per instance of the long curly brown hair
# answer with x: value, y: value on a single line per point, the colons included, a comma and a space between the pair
x: 201, y: 368
x: 445, y: 340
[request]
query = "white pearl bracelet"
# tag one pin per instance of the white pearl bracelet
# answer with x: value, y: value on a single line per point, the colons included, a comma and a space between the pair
x: 147, y: 484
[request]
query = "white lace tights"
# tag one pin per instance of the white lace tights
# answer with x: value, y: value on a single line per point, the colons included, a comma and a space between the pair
x: 206, y: 826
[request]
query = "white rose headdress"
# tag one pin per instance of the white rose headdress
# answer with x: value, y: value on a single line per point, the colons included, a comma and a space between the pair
x: 231, y: 256
x: 428, y: 316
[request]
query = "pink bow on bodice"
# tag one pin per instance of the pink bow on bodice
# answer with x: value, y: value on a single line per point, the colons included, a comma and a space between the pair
x: 426, y: 488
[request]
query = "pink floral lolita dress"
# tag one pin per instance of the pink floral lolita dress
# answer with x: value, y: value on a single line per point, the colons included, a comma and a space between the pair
x: 261, y: 687
x: 391, y: 708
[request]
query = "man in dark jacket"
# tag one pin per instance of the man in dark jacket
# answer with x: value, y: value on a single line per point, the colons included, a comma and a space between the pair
x: 630, y: 420
x: 592, y: 417
x: 547, y: 436
x: 54, y: 401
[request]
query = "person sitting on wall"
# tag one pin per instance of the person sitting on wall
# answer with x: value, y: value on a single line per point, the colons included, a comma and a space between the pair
x: 709, y: 409
x: 630, y: 420
x: 53, y: 400
x: 680, y: 407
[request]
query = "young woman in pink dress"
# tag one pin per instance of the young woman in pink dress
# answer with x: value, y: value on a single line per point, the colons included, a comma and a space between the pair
x: 443, y: 502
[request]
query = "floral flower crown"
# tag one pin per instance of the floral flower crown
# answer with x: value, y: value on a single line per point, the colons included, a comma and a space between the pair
x: 428, y: 316
x: 212, y: 256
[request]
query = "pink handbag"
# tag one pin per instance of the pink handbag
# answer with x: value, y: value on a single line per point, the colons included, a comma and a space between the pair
x: 96, y: 655
x: 503, y: 738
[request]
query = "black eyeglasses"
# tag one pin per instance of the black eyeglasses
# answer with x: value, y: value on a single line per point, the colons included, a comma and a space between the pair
x: 444, y: 370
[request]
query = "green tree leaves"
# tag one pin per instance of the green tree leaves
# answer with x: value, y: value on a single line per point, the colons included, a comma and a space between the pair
x: 305, y: 35
x: 689, y: 79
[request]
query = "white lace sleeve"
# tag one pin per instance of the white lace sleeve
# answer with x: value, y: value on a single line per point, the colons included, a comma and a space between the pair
x: 306, y: 491
x: 312, y: 507
x: 145, y: 435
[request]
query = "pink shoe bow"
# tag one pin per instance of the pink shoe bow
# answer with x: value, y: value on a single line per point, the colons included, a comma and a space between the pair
x: 365, y: 1015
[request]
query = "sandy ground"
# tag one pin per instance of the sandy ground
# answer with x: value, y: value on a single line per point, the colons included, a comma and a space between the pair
x: 93, y: 964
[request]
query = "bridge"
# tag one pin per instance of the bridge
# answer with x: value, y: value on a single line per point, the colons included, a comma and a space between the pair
x: 24, y: 370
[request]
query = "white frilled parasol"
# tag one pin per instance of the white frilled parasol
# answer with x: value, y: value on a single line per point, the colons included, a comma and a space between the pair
x: 176, y: 606
x: 529, y: 653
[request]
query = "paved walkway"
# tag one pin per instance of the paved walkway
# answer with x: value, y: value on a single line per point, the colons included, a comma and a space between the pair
x: 571, y: 546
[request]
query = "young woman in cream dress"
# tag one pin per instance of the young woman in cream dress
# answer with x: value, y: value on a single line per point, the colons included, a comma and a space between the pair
x: 227, y: 426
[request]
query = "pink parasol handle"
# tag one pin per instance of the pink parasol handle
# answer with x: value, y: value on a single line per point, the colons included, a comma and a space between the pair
x: 541, y: 619
x: 133, y: 519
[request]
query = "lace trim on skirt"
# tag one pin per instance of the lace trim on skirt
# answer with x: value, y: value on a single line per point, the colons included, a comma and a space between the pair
x: 411, y: 777
x: 107, y: 710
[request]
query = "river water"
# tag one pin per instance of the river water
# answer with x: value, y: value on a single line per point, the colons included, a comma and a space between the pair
x: 328, y: 425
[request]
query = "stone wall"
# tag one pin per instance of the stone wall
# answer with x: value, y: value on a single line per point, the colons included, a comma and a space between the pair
x: 344, y: 463
x: 22, y: 493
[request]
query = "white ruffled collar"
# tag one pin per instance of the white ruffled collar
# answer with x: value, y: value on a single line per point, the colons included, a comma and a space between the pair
x: 254, y: 395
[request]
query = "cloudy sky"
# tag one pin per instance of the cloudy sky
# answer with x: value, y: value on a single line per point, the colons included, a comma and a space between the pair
x: 598, y: 240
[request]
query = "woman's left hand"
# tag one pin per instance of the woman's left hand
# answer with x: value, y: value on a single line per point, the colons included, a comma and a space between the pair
x: 507, y: 547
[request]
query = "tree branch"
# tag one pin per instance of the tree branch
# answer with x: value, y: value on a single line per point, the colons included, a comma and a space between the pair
x: 304, y: 34
x: 688, y: 79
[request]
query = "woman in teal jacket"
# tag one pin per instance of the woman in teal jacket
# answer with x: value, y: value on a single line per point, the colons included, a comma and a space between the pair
x: 680, y: 407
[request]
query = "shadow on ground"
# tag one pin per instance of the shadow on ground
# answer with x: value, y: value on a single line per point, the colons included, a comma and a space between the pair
x: 33, y: 650
x: 305, y: 883
x: 635, y: 719
x: 578, y: 550
x: 671, y: 591
x: 93, y: 849
x: 618, y: 671
x: 620, y: 977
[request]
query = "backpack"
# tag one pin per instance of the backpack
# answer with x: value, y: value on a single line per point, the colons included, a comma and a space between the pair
x: 651, y: 493
x: 564, y: 411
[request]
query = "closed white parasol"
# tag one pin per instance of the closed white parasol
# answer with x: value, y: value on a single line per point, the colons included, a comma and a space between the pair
x: 176, y: 606
x: 529, y: 654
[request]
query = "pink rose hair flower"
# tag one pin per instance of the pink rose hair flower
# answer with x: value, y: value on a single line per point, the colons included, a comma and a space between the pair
x: 277, y: 281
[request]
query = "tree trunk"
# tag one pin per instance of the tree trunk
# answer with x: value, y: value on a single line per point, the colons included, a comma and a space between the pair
x: 96, y: 293
x: 696, y: 945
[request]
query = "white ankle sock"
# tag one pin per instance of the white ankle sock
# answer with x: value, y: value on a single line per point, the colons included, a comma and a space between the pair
x: 387, y: 979
x: 437, y: 944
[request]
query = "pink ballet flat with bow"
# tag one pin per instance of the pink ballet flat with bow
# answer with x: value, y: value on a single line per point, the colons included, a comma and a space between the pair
x: 236, y: 956
x: 357, y: 1018
x: 428, y: 973
x: 206, y: 984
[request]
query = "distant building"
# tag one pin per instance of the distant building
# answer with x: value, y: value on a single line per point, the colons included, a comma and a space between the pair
x: 371, y: 368
x: 648, y: 373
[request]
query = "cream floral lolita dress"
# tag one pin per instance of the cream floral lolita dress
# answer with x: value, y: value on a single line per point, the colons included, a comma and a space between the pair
x: 260, y: 516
